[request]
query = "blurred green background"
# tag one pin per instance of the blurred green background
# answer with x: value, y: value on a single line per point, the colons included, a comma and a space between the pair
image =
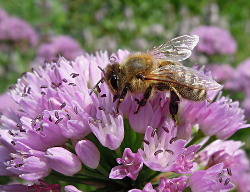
x: 133, y: 25
x: 114, y: 24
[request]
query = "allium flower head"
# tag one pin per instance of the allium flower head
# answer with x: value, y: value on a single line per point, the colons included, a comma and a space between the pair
x: 214, y: 40
x: 62, y: 45
x: 59, y: 129
x: 16, y: 32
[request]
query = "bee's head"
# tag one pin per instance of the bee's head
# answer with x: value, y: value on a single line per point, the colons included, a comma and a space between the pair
x: 112, y: 78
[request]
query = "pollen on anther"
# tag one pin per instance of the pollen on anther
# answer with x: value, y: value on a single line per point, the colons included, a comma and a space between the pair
x: 57, y: 115
x: 13, y: 143
x: 73, y: 84
x: 169, y: 151
x: 43, y: 86
x: 69, y: 117
x: 98, y: 89
x: 165, y: 129
x: 74, y: 75
x: 101, y: 108
x: 64, y: 80
x: 227, y: 181
x: 220, y: 179
x: 75, y: 110
x: 58, y: 121
x: 158, y: 152
x: 173, y: 140
x: 63, y: 105
x: 50, y: 118
x: 146, y: 141
x: 229, y: 171
x: 153, y: 132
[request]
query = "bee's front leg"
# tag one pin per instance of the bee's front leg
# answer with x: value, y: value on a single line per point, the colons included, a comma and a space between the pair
x: 146, y: 96
x: 121, y: 97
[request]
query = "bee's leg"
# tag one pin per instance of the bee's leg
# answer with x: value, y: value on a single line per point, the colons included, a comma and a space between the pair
x: 121, y: 97
x: 143, y: 101
x: 97, y: 86
x: 174, y: 103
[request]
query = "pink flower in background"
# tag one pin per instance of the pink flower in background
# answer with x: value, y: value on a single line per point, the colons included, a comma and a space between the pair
x: 214, y: 40
x: 62, y: 45
x: 16, y: 32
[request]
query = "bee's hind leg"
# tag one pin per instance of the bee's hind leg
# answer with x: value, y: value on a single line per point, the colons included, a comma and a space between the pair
x: 145, y: 98
x: 174, y: 104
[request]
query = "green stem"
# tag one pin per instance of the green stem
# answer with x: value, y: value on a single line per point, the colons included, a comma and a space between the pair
x: 198, y: 136
x: 102, y: 170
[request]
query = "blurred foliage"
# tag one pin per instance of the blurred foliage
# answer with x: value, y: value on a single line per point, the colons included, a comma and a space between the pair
x: 114, y: 24
x: 129, y: 24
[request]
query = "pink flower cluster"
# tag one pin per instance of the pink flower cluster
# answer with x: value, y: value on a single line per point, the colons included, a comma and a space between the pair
x: 214, y: 40
x: 62, y: 45
x: 15, y: 32
x: 57, y: 125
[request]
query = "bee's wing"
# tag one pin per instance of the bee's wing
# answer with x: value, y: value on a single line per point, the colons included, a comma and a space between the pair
x: 184, y: 76
x: 176, y: 49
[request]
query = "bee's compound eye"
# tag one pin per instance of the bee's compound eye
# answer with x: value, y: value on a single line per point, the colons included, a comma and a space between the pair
x: 114, y: 82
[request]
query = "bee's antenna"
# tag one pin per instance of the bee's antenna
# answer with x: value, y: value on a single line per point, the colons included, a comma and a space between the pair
x: 100, y: 81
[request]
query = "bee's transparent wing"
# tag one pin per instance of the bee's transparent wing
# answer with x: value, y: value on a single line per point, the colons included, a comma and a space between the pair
x: 177, y: 49
x: 184, y: 76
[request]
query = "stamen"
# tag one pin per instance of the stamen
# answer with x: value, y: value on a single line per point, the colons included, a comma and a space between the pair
x: 220, y: 179
x: 173, y: 140
x: 98, y: 89
x: 103, y: 95
x: 75, y: 110
x: 169, y: 151
x: 63, y: 105
x: 229, y: 171
x: 153, y: 132
x: 29, y: 89
x: 157, y: 152
x: 13, y: 143
x: 101, y: 108
x: 64, y: 80
x: 43, y: 86
x: 69, y: 117
x: 57, y: 115
x: 74, y: 75
x: 165, y: 129
x: 146, y: 141
x: 73, y: 84
x: 58, y: 121
x: 227, y: 181
x: 50, y: 118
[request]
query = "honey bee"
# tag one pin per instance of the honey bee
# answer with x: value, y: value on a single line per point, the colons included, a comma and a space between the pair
x: 159, y: 69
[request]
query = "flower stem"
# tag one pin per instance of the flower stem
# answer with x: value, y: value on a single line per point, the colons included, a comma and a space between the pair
x: 210, y: 140
x: 198, y: 136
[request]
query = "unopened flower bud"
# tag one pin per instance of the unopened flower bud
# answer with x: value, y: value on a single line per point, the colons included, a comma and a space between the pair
x: 88, y: 153
x: 63, y: 161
